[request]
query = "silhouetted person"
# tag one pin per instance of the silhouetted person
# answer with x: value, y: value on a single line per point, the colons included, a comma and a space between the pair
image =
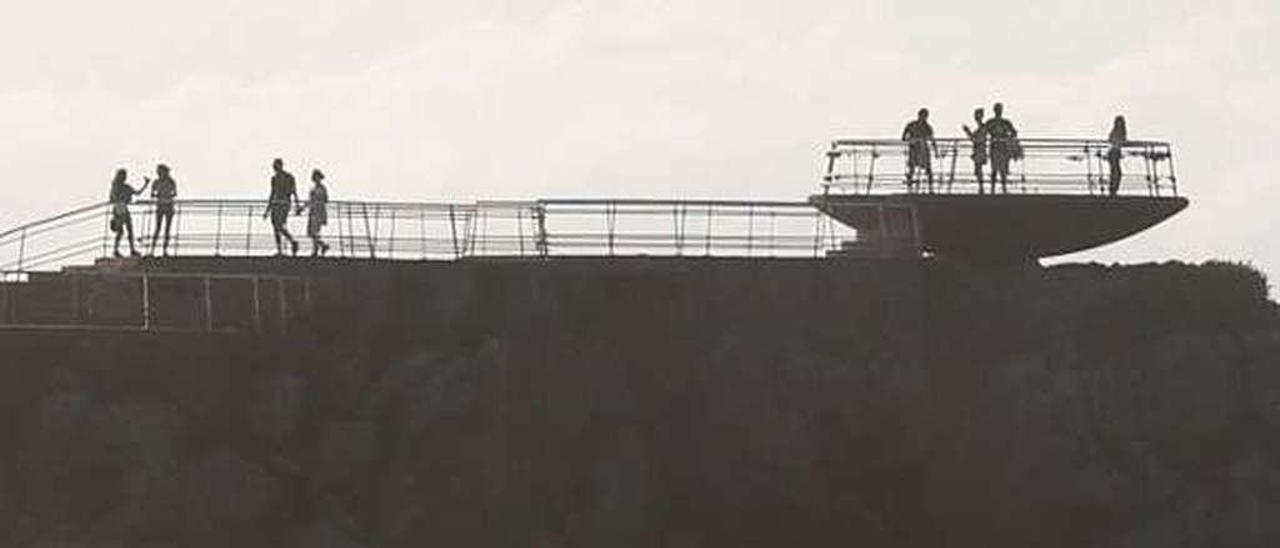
x: 1004, y: 144
x: 1118, y: 137
x: 120, y: 196
x: 284, y: 192
x: 317, y: 213
x: 978, y: 138
x: 919, y: 137
x: 163, y: 191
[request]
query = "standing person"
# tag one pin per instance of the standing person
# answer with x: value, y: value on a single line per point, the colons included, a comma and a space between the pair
x: 317, y: 213
x: 163, y: 192
x: 919, y: 137
x: 284, y: 193
x: 978, y: 138
x: 1118, y: 137
x: 1004, y: 145
x: 120, y: 196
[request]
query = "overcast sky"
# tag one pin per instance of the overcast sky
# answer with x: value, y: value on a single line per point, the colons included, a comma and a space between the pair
x: 524, y: 99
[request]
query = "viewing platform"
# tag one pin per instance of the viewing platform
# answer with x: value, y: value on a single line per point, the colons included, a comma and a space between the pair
x: 229, y: 276
x: 1056, y: 201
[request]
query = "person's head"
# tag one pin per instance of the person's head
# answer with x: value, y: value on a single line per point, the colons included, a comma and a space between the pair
x: 121, y: 175
x: 317, y: 176
x: 1119, y: 122
x: 277, y: 165
x: 922, y: 114
x: 979, y: 114
x: 998, y: 110
x: 162, y: 170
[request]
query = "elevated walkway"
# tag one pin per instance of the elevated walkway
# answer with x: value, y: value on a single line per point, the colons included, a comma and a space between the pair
x: 1056, y: 200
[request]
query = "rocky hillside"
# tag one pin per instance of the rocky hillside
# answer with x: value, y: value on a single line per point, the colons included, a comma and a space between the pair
x: 680, y: 403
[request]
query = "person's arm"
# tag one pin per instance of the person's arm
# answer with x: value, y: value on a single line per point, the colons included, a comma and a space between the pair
x: 906, y: 133
x: 146, y: 183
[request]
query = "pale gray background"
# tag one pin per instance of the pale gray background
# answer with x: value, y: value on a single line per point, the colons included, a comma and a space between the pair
x: 466, y: 100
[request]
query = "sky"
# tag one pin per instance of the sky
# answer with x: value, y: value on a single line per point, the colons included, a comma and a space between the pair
x: 440, y: 101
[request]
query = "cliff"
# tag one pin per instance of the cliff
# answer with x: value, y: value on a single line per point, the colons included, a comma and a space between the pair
x: 668, y: 403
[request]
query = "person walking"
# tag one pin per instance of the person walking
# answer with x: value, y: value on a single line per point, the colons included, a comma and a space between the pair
x: 918, y: 135
x: 163, y: 191
x: 284, y: 194
x: 317, y: 213
x: 978, y: 141
x: 120, y: 196
x: 1118, y: 137
x: 1004, y: 146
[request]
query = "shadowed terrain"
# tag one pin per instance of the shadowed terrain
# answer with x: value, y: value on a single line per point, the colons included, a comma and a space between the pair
x: 668, y: 403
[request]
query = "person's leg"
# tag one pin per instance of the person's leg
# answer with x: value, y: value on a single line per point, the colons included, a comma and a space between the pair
x: 155, y: 234
x: 116, y: 248
x: 977, y: 174
x: 284, y: 231
x: 167, y: 218
x: 928, y: 171
x: 1114, y: 185
x: 275, y: 231
x: 128, y: 225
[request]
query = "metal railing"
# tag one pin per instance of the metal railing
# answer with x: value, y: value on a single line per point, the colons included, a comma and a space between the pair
x: 1044, y: 166
x: 153, y: 302
x: 441, y: 231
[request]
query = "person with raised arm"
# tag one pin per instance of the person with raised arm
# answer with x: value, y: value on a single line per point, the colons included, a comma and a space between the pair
x: 163, y: 191
x: 284, y: 193
x: 978, y: 140
x: 120, y: 196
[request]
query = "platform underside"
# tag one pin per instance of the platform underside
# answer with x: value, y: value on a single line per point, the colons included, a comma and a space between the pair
x: 999, y: 226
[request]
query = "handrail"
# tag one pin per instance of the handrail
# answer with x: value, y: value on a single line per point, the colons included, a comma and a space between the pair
x: 1037, y: 165
x: 139, y: 301
x: 386, y: 230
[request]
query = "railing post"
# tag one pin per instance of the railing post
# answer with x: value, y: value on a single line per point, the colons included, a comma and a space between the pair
x: 543, y: 244
x: 217, y: 234
x: 284, y: 306
x: 257, y: 306
x: 248, y: 231
x: 710, y: 215
x: 422, y: 230
x: 74, y: 280
x: 177, y: 234
x: 368, y: 233
x: 22, y: 249
x: 208, y: 305
x: 453, y: 228
x: 391, y: 240
x: 146, y: 301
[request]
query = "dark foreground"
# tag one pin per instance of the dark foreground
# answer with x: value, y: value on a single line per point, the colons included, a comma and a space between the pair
x: 669, y: 403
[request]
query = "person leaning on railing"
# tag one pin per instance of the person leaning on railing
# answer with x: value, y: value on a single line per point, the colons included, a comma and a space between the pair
x: 1118, y: 137
x: 978, y: 138
x: 120, y: 196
